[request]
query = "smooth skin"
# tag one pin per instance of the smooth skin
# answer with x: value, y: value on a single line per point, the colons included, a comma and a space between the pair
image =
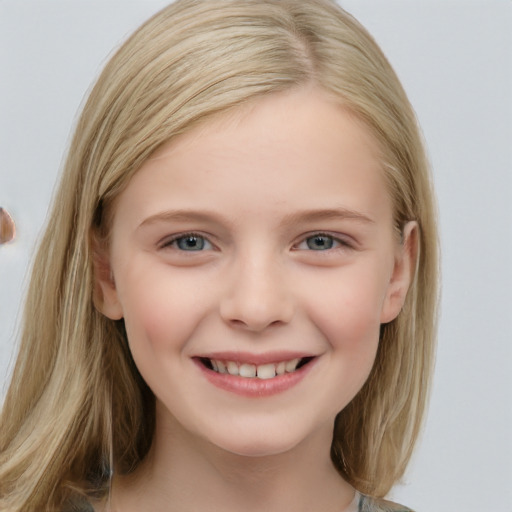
x: 264, y: 232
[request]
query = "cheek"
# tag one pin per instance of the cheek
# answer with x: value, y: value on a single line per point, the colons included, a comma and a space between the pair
x: 350, y: 322
x: 347, y: 309
x: 159, y: 312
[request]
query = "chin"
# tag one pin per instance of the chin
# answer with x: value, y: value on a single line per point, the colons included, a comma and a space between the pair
x: 259, y: 442
x: 255, y: 450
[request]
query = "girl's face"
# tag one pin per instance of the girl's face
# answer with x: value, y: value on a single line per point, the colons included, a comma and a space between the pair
x: 253, y: 261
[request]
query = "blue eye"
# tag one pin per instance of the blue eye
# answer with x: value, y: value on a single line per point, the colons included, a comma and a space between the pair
x: 320, y: 242
x: 190, y: 243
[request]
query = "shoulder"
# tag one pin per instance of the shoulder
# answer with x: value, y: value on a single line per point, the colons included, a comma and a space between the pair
x: 368, y: 504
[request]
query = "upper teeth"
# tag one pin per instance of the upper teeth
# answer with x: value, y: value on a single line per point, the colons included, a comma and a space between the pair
x: 262, y: 371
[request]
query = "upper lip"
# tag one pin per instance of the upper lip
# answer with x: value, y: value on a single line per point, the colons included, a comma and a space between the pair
x: 256, y: 359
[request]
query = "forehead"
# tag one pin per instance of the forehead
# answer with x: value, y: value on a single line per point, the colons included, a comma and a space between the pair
x: 298, y: 148
x: 319, y: 112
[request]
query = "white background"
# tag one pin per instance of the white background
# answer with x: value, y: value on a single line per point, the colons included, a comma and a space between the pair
x: 455, y: 60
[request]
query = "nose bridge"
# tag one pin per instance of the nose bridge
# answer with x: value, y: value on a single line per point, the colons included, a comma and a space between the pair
x: 258, y: 293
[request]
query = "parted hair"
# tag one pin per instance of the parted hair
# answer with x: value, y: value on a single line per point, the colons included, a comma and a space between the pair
x: 77, y: 408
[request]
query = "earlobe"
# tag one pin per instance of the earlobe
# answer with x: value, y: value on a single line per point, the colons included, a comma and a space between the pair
x: 105, y: 295
x: 403, y: 272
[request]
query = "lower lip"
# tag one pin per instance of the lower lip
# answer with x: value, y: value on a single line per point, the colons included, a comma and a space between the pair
x: 254, y: 387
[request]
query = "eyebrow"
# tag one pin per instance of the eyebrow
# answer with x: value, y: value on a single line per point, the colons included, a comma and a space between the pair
x: 184, y: 215
x: 181, y: 216
x: 326, y: 214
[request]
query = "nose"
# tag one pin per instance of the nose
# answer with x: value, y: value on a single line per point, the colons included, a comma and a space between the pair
x: 257, y: 296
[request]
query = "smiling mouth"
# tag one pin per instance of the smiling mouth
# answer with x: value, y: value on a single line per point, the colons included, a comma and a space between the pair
x: 255, y: 371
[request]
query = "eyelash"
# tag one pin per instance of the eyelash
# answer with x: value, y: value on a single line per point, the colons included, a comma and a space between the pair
x: 337, y: 243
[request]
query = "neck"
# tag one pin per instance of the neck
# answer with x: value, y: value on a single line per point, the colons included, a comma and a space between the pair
x: 183, y: 473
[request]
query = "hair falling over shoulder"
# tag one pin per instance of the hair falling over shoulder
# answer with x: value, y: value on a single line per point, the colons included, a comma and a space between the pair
x: 77, y: 408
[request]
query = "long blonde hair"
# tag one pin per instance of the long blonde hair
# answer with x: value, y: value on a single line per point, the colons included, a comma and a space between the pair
x: 77, y: 407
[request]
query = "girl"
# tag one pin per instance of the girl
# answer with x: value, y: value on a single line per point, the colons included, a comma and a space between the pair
x: 237, y: 289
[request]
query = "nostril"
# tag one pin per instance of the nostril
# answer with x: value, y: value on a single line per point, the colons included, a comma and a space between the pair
x: 237, y: 323
x: 255, y: 325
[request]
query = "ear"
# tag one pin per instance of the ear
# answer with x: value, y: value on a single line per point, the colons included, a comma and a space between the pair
x: 105, y: 295
x: 403, y: 272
